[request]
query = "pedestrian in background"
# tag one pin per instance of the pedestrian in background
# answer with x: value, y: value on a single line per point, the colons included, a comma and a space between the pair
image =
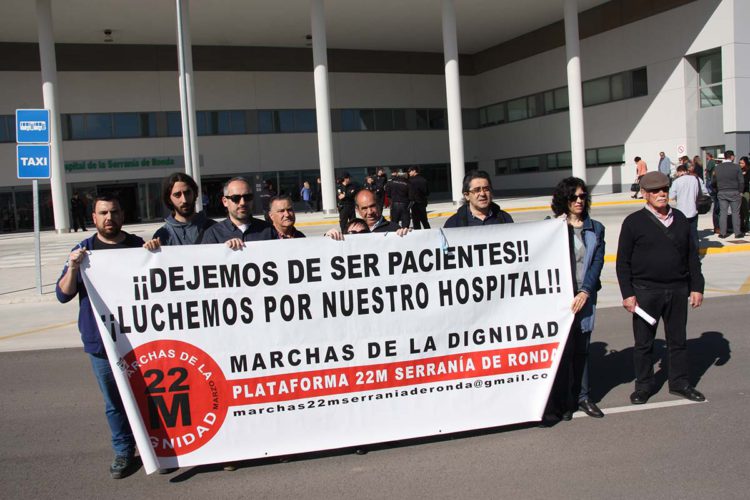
x: 685, y: 190
x: 729, y: 186
x: 306, y: 195
x: 745, y: 202
x: 640, y: 170
x: 419, y: 191
x: 397, y: 190
x: 78, y: 211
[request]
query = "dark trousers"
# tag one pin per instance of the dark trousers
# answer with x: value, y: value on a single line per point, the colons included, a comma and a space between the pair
x: 79, y: 221
x: 346, y: 214
x: 400, y: 213
x: 671, y: 305
x: 715, y: 212
x: 419, y: 215
x: 729, y: 200
x: 571, y: 383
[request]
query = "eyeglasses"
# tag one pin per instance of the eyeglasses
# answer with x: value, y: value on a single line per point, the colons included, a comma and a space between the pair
x: 480, y: 189
x: 248, y: 197
x: 582, y: 197
x: 658, y: 190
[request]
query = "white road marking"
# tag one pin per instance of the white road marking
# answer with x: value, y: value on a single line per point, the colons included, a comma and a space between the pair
x: 647, y: 406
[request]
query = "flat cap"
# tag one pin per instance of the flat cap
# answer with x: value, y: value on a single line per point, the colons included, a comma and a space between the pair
x: 654, y: 180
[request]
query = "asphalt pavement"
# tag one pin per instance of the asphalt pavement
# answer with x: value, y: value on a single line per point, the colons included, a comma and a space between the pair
x: 55, y: 441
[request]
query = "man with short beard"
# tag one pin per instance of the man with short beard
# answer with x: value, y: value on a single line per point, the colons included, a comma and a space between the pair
x: 478, y: 208
x: 108, y: 218
x: 184, y: 226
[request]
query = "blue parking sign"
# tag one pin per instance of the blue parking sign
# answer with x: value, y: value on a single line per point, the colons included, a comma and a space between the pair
x: 33, y: 161
x: 32, y: 126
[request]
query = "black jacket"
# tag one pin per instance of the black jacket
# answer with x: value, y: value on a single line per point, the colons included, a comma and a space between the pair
x: 461, y: 217
x: 418, y: 189
x: 398, y: 190
x: 225, y: 230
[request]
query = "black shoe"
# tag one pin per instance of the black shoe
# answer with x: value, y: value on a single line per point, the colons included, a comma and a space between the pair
x: 567, y: 415
x: 723, y: 236
x: 167, y: 471
x: 590, y: 409
x: 550, y: 420
x: 739, y: 235
x: 361, y: 451
x: 688, y: 393
x: 120, y: 466
x: 639, y: 397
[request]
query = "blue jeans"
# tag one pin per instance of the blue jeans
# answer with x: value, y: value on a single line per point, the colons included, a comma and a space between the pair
x: 123, y: 442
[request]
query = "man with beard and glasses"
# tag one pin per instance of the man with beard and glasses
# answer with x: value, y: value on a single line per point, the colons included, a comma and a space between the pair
x: 108, y: 218
x: 478, y: 208
x: 240, y: 226
x: 184, y: 226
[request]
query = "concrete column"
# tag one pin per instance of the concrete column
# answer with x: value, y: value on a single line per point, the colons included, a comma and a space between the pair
x: 49, y: 92
x: 323, y: 106
x: 453, y: 100
x: 575, y: 93
x: 187, y: 97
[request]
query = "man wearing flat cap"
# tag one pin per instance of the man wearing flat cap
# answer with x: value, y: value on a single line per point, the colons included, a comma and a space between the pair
x: 659, y: 272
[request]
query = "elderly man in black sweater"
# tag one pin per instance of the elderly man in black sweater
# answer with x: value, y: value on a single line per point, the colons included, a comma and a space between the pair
x: 659, y: 272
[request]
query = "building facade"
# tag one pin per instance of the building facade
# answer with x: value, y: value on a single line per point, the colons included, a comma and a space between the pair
x: 670, y: 76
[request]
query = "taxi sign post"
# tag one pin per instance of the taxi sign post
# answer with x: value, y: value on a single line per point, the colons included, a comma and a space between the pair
x: 33, y: 160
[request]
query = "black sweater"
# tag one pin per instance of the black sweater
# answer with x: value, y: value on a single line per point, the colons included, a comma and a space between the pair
x: 647, y: 257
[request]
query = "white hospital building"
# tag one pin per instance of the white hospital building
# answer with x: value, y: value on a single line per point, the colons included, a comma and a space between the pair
x: 290, y: 90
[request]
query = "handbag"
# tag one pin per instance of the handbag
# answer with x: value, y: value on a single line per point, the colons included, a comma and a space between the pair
x: 703, y: 202
x: 635, y: 187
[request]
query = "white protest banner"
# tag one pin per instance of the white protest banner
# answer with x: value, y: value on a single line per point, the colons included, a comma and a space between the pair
x: 310, y: 344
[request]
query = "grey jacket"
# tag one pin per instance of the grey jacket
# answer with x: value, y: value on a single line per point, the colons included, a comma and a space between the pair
x: 728, y: 178
x: 178, y: 233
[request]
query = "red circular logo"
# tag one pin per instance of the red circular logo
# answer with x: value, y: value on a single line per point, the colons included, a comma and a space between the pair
x: 180, y: 391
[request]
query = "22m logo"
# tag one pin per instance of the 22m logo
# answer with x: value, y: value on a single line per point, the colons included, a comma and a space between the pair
x: 158, y: 409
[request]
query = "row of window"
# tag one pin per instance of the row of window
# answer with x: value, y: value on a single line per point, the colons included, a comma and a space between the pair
x: 609, y: 88
x: 611, y: 155
x: 83, y: 126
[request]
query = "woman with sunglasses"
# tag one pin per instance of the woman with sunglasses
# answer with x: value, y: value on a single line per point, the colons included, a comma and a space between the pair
x: 571, y: 201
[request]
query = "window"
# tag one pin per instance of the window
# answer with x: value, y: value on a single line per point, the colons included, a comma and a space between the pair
x: 304, y: 120
x: 709, y: 80
x: 285, y: 121
x: 517, y: 110
x: 423, y: 121
x: 502, y: 167
x: 8, y: 128
x: 399, y: 119
x: 384, y: 119
x: 174, y: 123
x: 529, y: 164
x: 596, y: 91
x: 230, y: 122
x: 611, y: 155
x: 127, y: 125
x: 640, y: 82
x: 437, y: 119
x: 496, y: 114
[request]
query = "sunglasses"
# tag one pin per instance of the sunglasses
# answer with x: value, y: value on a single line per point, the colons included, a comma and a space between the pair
x: 582, y: 197
x: 658, y: 190
x: 237, y: 197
